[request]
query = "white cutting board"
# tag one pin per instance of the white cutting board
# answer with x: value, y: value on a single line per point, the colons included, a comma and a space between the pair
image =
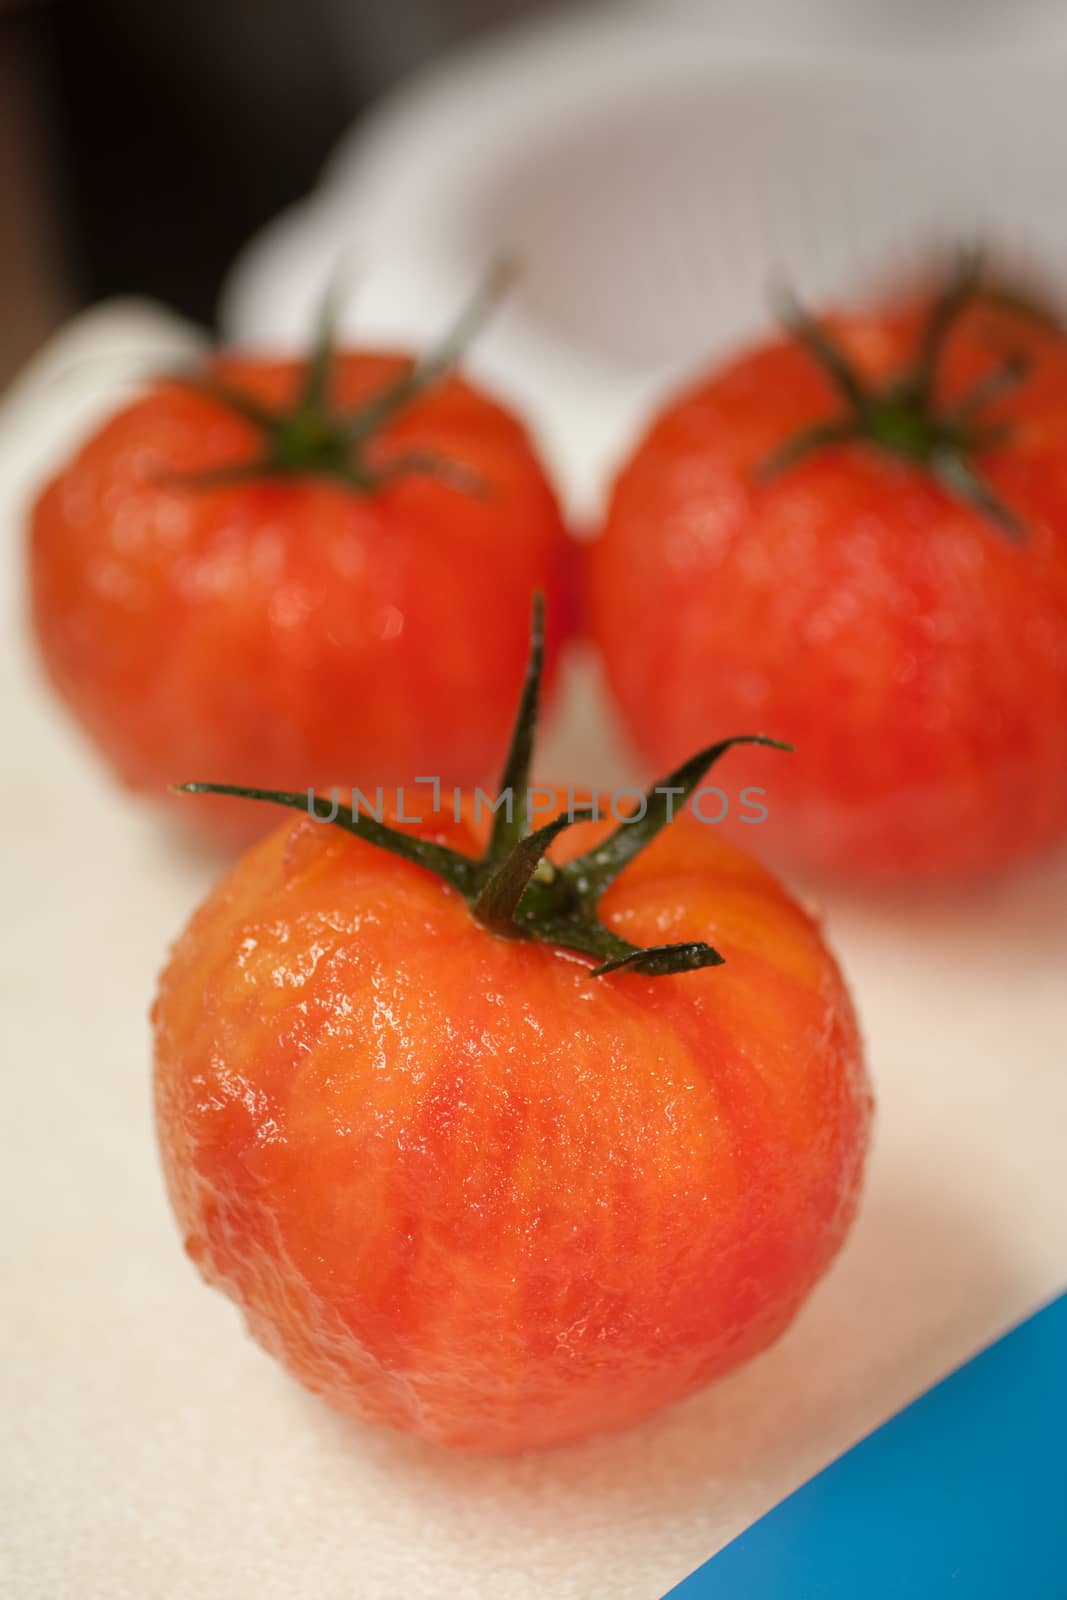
x: 153, y: 1451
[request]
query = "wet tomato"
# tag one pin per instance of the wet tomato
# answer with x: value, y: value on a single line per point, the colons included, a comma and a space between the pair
x: 289, y: 572
x: 857, y: 535
x: 487, y: 1140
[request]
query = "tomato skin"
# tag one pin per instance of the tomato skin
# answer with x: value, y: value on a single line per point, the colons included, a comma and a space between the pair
x: 461, y: 1188
x: 289, y: 632
x: 914, y: 655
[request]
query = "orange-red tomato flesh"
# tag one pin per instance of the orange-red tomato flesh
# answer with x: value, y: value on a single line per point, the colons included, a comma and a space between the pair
x: 461, y: 1188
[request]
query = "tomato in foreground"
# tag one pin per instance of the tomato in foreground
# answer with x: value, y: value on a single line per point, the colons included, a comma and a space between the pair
x: 487, y: 1140
x: 857, y: 535
x: 292, y: 571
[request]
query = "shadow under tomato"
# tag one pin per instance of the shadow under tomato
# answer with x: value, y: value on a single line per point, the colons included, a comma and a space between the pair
x: 891, y: 1318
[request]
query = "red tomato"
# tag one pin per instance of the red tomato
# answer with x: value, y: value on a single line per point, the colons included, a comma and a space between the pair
x: 459, y: 1187
x: 893, y: 602
x: 294, y: 627
x: 461, y: 1184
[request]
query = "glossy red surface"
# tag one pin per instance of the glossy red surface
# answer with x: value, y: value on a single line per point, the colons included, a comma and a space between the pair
x: 293, y: 631
x: 915, y: 656
x: 463, y: 1189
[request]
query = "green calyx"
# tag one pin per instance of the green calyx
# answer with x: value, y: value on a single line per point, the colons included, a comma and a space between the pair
x: 513, y: 890
x: 314, y: 437
x: 903, y: 416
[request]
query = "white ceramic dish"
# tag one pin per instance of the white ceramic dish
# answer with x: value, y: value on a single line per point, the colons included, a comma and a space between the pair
x: 653, y: 179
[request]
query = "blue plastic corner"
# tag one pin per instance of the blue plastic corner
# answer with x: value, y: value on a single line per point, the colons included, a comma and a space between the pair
x: 961, y: 1495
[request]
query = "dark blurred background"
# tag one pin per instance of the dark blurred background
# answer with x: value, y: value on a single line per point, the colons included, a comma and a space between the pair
x: 143, y: 141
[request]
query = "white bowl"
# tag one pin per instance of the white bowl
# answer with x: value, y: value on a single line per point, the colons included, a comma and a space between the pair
x: 653, y: 178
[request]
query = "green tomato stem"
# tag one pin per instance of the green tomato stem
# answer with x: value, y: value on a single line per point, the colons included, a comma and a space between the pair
x: 902, y: 417
x: 312, y: 437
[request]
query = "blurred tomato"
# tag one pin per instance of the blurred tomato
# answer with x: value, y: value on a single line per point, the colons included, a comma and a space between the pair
x: 291, y: 573
x: 855, y: 537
